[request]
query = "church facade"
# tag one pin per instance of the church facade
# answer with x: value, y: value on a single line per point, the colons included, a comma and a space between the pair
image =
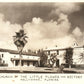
x: 10, y: 58
x: 77, y: 57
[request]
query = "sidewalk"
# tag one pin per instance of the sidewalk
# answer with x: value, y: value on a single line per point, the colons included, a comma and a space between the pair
x: 73, y: 70
x: 27, y: 70
x: 38, y: 70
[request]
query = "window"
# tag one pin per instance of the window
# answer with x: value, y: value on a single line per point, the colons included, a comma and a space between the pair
x: 16, y: 62
x: 0, y: 59
x: 48, y: 52
x: 14, y: 56
x: 2, y: 55
x: 27, y: 63
x: 57, y: 52
x: 3, y: 61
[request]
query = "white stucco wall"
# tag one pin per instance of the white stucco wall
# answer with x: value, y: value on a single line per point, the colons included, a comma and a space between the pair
x: 76, y: 56
x: 60, y: 56
x: 7, y: 58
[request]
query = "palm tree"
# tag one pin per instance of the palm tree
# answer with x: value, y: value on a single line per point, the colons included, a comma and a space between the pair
x: 20, y: 41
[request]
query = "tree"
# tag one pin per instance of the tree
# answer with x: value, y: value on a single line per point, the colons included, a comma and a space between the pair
x: 53, y: 59
x: 68, y: 56
x: 43, y: 58
x: 20, y: 41
x: 81, y: 57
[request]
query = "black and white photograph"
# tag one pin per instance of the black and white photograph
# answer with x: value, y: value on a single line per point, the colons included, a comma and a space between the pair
x: 42, y: 37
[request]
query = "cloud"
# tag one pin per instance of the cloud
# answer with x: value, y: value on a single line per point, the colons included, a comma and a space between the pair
x: 50, y: 29
x: 66, y: 8
x: 7, y: 30
x: 66, y: 41
x: 77, y: 32
x: 42, y: 34
x: 36, y: 20
x: 78, y: 35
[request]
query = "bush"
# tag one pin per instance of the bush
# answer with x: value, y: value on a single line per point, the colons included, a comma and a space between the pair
x: 60, y: 69
x: 3, y: 64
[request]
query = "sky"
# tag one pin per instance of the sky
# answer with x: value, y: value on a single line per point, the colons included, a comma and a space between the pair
x: 46, y: 24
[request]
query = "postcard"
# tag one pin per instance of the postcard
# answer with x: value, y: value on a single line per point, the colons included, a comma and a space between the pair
x: 41, y: 42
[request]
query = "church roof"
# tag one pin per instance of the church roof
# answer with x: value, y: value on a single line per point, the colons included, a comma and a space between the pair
x: 16, y: 52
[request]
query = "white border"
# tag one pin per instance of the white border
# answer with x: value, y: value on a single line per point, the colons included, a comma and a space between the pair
x: 42, y: 1
x: 63, y: 81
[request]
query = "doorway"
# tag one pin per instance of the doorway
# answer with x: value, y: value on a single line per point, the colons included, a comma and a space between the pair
x: 57, y: 63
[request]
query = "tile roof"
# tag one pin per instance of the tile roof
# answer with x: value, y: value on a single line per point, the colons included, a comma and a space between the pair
x: 16, y: 52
